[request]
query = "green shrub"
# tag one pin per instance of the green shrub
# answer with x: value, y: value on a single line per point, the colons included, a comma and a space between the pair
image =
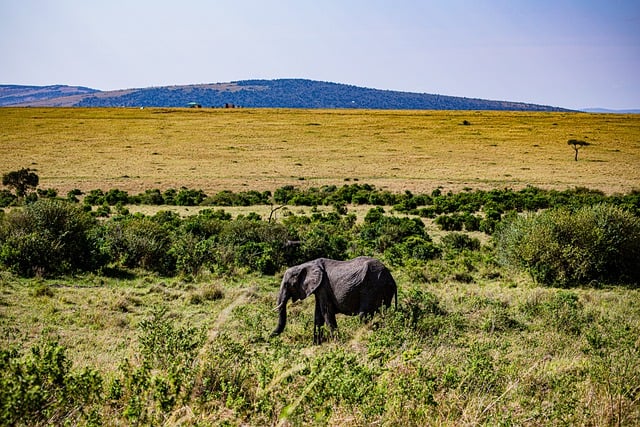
x: 22, y: 181
x: 165, y: 346
x: 49, y: 237
x: 453, y: 222
x: 460, y: 241
x: 412, y: 248
x: 257, y: 245
x: 140, y: 242
x: 7, y: 198
x: 594, y: 244
x: 380, y: 232
x: 41, y: 388
x: 192, y: 253
x: 188, y: 197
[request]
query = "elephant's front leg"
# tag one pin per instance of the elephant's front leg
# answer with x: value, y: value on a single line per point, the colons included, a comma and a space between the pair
x: 330, y: 320
x: 318, y: 323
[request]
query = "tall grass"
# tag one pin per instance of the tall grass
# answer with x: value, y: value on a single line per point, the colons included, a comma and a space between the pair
x: 487, y: 352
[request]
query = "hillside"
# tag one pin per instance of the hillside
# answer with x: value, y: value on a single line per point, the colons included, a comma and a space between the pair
x: 32, y: 95
x: 282, y: 93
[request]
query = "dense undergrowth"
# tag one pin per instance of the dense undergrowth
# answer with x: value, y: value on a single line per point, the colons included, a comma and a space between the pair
x: 158, y: 319
x: 487, y: 352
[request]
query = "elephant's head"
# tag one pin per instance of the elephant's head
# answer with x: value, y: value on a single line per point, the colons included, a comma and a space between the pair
x: 298, y: 283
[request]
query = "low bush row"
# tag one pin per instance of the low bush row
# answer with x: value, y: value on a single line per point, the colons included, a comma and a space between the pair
x: 563, y: 246
x: 491, y: 203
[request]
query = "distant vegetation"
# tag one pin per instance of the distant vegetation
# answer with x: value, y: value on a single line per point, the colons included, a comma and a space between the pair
x: 282, y: 93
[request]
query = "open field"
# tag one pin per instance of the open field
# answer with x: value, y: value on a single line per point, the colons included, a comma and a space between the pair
x: 472, y: 341
x: 263, y: 149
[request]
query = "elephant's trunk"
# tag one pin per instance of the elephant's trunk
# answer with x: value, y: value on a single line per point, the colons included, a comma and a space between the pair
x: 283, y: 297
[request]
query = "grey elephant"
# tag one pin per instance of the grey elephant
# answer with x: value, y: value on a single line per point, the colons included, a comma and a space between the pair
x: 356, y: 287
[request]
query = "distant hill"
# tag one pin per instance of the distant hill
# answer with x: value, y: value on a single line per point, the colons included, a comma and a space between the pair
x: 25, y: 95
x: 606, y: 110
x: 281, y: 93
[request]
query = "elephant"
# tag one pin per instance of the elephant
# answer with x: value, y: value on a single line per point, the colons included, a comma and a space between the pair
x: 356, y: 287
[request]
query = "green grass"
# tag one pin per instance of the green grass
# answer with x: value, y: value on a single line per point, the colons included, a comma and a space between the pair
x: 493, y: 351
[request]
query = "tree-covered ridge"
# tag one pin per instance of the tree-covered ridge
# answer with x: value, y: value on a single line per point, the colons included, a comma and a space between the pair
x: 283, y: 93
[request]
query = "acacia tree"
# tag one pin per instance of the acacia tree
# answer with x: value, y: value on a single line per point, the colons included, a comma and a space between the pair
x: 577, y: 144
x: 21, y: 181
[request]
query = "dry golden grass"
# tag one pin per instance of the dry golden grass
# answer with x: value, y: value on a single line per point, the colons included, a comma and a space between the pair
x: 263, y: 149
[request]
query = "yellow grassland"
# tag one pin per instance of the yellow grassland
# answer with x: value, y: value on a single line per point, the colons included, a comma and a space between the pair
x: 263, y: 149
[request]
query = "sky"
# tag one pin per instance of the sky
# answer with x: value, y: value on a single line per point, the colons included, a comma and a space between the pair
x: 567, y: 53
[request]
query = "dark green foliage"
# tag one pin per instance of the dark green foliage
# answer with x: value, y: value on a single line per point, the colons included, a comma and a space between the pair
x: 7, y: 198
x: 321, y: 235
x: 460, y: 241
x: 594, y: 244
x: 256, y: 245
x: 213, y: 241
x: 453, y: 222
x: 187, y: 197
x: 22, y: 181
x: 246, y: 198
x: 115, y: 196
x: 381, y: 232
x: 94, y: 197
x: 462, y: 205
x: 140, y: 242
x: 41, y: 388
x: 192, y: 253
x: 49, y: 237
x: 49, y: 193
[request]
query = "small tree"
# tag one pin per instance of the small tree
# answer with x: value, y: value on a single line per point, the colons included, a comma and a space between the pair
x: 21, y: 181
x: 577, y: 144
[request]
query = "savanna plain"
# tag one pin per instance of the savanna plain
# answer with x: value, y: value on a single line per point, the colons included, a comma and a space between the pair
x: 473, y: 340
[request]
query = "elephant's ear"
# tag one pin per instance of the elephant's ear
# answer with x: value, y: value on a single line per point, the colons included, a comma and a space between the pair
x: 312, y: 279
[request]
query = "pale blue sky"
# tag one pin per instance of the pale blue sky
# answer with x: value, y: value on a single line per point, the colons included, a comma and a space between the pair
x: 568, y: 53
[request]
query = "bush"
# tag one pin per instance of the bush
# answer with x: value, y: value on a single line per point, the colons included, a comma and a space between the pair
x: 380, y: 232
x: 49, y: 237
x: 140, y: 242
x: 7, y: 198
x: 257, y: 245
x: 192, y: 253
x: 22, y: 181
x: 40, y: 388
x: 453, y: 222
x: 460, y: 241
x: 599, y: 243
